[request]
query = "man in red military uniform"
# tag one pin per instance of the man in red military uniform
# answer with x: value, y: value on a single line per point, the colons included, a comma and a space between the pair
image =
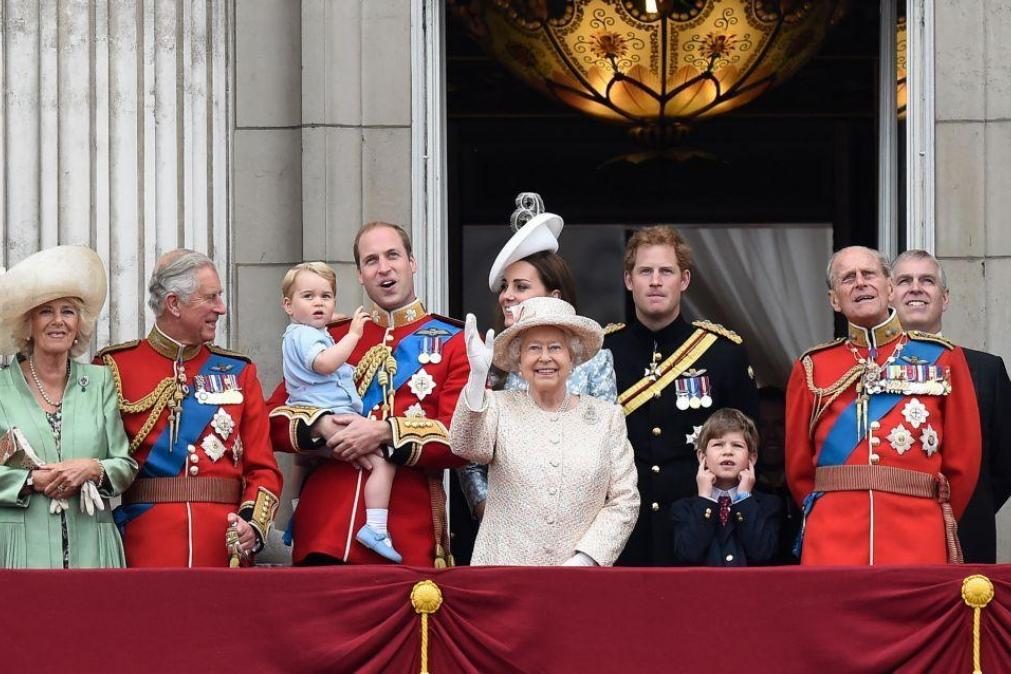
x: 409, y: 367
x: 208, y: 484
x: 882, y: 431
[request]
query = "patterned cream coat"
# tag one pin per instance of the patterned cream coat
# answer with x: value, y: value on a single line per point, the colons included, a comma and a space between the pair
x: 557, y: 483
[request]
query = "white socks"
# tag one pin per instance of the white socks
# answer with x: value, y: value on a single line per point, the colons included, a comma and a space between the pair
x: 376, y: 519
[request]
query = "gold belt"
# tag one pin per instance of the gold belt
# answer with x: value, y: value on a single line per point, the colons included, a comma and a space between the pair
x: 895, y: 481
x: 184, y: 490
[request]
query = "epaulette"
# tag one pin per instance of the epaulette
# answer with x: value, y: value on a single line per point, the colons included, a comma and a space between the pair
x: 718, y: 329
x: 611, y: 328
x: 225, y: 352
x: 931, y: 337
x: 117, y: 347
x: 823, y: 346
x: 452, y: 321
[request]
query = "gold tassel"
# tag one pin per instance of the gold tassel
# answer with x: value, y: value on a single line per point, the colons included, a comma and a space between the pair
x: 977, y: 592
x: 426, y: 598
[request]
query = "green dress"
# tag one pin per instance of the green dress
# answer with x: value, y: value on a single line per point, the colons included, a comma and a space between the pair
x: 89, y: 427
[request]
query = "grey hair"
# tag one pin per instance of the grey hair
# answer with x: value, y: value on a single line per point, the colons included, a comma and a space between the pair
x: 577, y: 349
x: 885, y: 266
x: 920, y: 254
x: 85, y: 329
x: 177, y: 276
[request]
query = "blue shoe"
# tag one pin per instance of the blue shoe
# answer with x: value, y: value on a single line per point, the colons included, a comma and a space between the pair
x: 381, y: 545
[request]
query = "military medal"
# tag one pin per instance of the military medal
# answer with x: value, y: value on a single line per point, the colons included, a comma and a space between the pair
x: 436, y: 356
x: 915, y: 413
x: 694, y: 401
x: 213, y: 447
x: 223, y: 423
x: 218, y: 389
x: 421, y: 384
x: 706, y: 399
x: 681, y: 388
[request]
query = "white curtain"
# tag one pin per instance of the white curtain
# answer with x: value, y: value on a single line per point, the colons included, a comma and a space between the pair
x: 767, y: 284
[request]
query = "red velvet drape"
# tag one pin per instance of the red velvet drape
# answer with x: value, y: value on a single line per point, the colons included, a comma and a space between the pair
x: 359, y: 619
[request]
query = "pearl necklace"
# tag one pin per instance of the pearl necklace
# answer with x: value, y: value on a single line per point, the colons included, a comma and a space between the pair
x: 555, y: 414
x: 38, y: 383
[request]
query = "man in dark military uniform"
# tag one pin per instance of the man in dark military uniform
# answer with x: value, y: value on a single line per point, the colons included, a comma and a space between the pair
x: 671, y: 376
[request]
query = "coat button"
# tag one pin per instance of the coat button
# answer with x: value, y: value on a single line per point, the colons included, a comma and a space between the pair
x: 655, y: 469
x: 191, y: 449
x: 554, y: 463
x: 875, y: 442
x: 657, y: 394
x: 729, y: 558
x: 194, y: 470
x: 875, y: 457
x: 552, y: 491
x: 655, y: 506
x: 194, y: 457
x: 550, y: 519
x: 656, y: 431
x: 875, y: 425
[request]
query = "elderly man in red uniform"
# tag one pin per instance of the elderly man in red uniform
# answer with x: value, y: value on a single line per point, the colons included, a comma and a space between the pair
x: 410, y: 366
x: 883, y: 437
x: 208, y: 485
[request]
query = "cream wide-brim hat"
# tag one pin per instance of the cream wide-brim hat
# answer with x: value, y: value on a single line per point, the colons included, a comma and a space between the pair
x: 553, y: 312
x: 538, y: 235
x: 50, y: 274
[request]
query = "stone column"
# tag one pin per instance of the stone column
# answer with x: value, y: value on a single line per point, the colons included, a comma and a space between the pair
x: 115, y: 134
x: 973, y: 132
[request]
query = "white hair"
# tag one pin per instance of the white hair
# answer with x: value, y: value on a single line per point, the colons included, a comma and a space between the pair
x: 176, y: 277
x: 577, y: 350
x: 885, y: 267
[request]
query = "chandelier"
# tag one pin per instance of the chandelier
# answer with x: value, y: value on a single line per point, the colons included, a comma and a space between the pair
x: 653, y: 65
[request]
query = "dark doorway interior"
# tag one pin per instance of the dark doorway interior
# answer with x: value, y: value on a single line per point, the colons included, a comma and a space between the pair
x: 804, y: 152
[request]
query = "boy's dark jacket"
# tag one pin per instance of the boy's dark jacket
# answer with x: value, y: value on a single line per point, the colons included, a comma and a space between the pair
x: 750, y: 537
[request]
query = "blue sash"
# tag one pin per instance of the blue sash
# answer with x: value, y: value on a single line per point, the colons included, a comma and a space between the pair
x: 406, y: 354
x: 842, y: 439
x: 163, y: 461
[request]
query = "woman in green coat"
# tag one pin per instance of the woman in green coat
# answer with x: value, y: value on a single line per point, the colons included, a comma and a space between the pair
x: 54, y: 511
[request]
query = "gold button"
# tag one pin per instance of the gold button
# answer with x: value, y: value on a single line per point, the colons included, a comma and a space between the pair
x: 657, y: 394
x: 875, y: 442
x: 730, y: 558
x: 655, y: 469
x: 656, y: 431
x: 194, y: 470
x: 656, y: 357
x: 875, y: 458
x: 709, y: 513
x: 655, y: 506
x: 875, y: 425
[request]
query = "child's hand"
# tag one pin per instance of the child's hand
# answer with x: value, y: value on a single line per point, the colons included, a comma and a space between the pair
x: 747, y: 478
x: 358, y: 322
x: 705, y: 479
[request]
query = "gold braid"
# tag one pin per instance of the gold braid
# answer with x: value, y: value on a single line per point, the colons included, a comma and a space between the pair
x: 367, y: 366
x: 833, y: 391
x: 156, y: 401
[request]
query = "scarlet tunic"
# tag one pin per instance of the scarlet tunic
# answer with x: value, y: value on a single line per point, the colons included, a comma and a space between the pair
x: 191, y: 534
x: 331, y: 507
x: 870, y: 526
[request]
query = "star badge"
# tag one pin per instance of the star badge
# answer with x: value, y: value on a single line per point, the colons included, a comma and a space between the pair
x: 915, y: 413
x: 421, y: 384
x: 931, y: 443
x: 900, y: 439
x: 213, y: 447
x: 223, y: 423
x: 414, y: 411
x: 691, y: 438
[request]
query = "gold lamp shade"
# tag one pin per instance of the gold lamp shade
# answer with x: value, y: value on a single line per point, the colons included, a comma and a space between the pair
x: 651, y: 64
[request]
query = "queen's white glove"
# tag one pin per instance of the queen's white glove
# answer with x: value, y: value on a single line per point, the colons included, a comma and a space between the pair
x: 91, y: 500
x: 479, y: 354
x: 58, y: 505
x: 580, y: 559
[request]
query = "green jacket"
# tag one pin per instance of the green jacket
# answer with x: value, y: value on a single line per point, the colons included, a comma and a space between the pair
x: 92, y: 428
